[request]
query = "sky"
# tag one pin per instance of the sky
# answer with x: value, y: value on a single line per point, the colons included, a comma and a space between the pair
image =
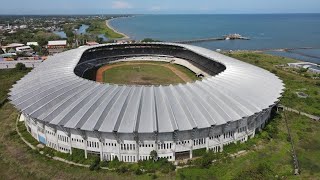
x: 18, y: 7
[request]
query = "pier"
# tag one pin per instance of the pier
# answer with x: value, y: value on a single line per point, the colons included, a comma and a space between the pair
x: 223, y: 38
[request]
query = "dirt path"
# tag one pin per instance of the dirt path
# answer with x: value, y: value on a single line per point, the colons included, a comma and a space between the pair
x: 181, y: 75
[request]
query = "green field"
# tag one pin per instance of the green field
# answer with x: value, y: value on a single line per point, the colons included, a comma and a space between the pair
x: 99, y: 27
x: 146, y: 74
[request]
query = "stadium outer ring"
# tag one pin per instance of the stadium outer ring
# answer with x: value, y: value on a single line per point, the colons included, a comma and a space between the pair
x: 243, y: 94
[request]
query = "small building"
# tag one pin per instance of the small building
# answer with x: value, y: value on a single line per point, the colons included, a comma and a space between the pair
x: 311, y: 67
x: 91, y: 43
x: 24, y: 49
x: 7, y: 55
x: 55, y: 47
x: 23, y: 26
x: 13, y: 45
x: 11, y: 48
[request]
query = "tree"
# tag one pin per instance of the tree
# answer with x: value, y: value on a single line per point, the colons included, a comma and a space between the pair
x: 99, y: 40
x: 150, y: 40
x: 154, y: 155
x: 20, y: 66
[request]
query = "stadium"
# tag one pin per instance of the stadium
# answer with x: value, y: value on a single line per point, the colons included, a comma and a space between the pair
x: 65, y: 108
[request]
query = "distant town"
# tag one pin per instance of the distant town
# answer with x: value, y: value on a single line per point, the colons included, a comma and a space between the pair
x: 31, y: 39
x: 26, y: 38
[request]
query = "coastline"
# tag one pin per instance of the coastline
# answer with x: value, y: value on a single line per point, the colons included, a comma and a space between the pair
x: 125, y: 36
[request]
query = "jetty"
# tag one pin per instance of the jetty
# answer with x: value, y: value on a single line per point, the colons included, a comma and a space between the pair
x: 223, y: 38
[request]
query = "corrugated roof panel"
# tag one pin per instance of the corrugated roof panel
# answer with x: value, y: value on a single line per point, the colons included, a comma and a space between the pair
x: 131, y: 114
x: 53, y: 93
x: 178, y: 113
x: 111, y: 119
x: 164, y: 114
x: 94, y: 121
x: 147, y: 117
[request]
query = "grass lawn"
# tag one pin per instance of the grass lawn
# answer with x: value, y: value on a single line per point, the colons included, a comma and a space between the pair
x: 293, y: 82
x: 145, y: 74
x: 99, y: 27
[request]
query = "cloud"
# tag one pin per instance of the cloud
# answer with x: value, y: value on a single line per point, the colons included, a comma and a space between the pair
x: 120, y: 5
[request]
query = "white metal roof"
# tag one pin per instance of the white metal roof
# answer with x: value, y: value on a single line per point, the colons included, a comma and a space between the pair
x: 32, y: 43
x: 57, y: 43
x: 23, y: 48
x: 54, y: 94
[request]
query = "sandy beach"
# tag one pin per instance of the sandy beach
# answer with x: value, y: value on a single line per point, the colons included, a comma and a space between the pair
x: 125, y: 36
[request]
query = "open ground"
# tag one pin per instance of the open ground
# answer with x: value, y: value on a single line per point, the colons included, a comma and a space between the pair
x: 144, y: 73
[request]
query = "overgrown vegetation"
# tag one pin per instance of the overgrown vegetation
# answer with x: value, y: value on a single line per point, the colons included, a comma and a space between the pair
x: 7, y: 78
x: 267, y: 155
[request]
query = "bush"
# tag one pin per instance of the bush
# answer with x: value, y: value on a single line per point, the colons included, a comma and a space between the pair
x: 20, y: 67
x: 138, y: 172
x: 150, y: 40
x: 154, y: 155
x: 122, y: 169
x: 95, y: 164
x: 48, y: 151
x: 104, y: 164
x: 115, y: 163
x: 274, y: 71
x: 261, y: 171
x: 199, y: 152
x: 154, y: 176
x: 162, y: 165
x: 203, y: 162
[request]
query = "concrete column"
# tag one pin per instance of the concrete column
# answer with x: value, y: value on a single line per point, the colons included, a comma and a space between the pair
x: 191, y: 148
x: 101, y: 150
x: 137, y: 151
x: 85, y: 148
x: 207, y: 143
x: 174, y: 150
x: 70, y: 143
x: 119, y: 150
x: 37, y: 131
x: 45, y: 135
x: 235, y: 135
x: 57, y: 141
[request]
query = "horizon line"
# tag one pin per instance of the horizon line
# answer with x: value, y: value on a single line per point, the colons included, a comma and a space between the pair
x: 99, y: 14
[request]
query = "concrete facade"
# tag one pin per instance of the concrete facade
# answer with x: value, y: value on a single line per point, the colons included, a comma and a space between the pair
x: 135, y: 147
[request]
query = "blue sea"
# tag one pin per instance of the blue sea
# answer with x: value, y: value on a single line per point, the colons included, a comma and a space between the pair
x: 270, y: 31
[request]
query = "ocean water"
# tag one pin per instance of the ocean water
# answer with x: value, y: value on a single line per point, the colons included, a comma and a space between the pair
x: 272, y: 31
